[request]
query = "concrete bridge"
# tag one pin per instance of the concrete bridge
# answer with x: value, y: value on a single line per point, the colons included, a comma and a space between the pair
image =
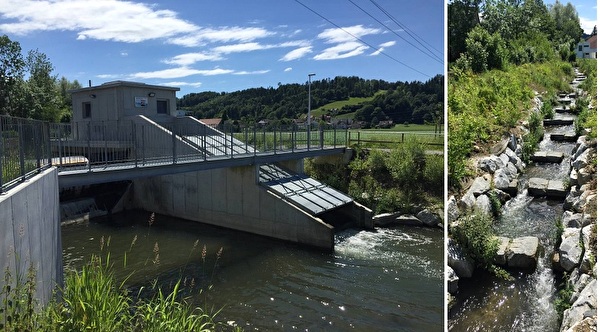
x: 251, y: 180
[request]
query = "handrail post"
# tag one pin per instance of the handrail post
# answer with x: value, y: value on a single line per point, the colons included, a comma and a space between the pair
x: 308, y: 136
x: 265, y: 139
x: 274, y: 141
x: 89, y: 137
x: 321, y: 133
x: 105, y: 143
x: 134, y: 136
x: 174, y: 142
x: 293, y: 137
x: 21, y: 149
x: 36, y: 141
x: 254, y: 139
x: 334, y: 137
x: 204, y: 142
x: 1, y: 155
x: 246, y: 138
x: 231, y: 137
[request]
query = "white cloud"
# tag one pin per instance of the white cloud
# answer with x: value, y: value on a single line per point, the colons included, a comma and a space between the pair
x: 124, y: 54
x: 256, y: 72
x: 587, y: 24
x: 345, y: 40
x: 179, y: 72
x: 341, y: 51
x: 187, y: 59
x: 297, y: 53
x: 179, y: 84
x: 288, y: 69
x: 237, y: 48
x: 336, y: 35
x: 382, y: 47
x: 113, y: 20
x: 108, y: 76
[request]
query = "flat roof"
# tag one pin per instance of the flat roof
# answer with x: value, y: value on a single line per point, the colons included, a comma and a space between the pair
x: 131, y: 84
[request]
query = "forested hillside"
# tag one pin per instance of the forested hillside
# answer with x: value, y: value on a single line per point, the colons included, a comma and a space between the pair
x: 412, y: 102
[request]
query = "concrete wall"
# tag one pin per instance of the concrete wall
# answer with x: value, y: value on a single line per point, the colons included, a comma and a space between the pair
x: 30, y: 233
x: 230, y: 197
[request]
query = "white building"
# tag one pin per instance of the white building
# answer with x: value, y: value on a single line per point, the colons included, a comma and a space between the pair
x: 587, y: 48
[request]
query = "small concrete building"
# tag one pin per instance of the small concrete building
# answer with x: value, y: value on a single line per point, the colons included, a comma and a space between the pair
x: 113, y: 101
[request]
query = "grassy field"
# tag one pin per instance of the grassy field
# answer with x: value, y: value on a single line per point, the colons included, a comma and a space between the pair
x: 341, y: 103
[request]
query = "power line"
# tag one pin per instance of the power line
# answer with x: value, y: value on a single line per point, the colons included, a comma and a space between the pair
x: 430, y: 54
x: 362, y: 41
x: 410, y: 32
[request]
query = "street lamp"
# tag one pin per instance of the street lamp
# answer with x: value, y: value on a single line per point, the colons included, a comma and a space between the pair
x: 308, y: 119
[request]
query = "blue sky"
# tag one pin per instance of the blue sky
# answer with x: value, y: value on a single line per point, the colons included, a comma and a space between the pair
x: 228, y: 45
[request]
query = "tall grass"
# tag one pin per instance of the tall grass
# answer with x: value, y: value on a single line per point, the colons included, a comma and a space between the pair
x: 483, y: 108
x: 92, y: 299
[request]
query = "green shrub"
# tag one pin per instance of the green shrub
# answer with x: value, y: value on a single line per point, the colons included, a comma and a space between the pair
x: 475, y: 235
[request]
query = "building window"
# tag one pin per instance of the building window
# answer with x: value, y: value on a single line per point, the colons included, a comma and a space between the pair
x: 580, y: 48
x: 162, y: 106
x: 87, y: 110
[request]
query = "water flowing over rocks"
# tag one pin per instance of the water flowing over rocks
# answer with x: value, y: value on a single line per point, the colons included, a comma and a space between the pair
x: 424, y: 217
x: 497, y: 180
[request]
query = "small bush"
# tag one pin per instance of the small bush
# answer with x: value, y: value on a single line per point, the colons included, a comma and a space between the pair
x: 476, y: 236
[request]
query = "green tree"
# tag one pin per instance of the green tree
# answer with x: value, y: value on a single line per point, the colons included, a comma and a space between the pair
x: 43, y: 98
x: 568, y: 28
x: 463, y: 16
x: 11, y: 74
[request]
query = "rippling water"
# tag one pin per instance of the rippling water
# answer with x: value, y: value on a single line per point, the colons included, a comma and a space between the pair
x: 486, y: 303
x: 383, y: 280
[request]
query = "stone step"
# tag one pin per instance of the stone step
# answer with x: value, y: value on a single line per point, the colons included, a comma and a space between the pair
x: 558, y: 122
x: 565, y: 109
x: 570, y: 136
x: 539, y: 187
x: 518, y: 253
x: 547, y: 157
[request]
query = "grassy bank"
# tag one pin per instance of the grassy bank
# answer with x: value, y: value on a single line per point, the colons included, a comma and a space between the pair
x: 482, y: 108
x: 93, y: 299
x: 400, y: 179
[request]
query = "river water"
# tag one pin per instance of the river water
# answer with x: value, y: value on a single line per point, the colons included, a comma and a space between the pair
x: 389, y: 279
x: 486, y: 303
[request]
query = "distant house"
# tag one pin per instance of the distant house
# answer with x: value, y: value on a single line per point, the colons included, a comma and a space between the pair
x: 214, y: 122
x: 385, y: 124
x: 587, y: 48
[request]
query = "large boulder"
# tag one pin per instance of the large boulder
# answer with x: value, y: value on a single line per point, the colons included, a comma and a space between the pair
x: 570, y: 250
x: 582, y: 160
x: 571, y: 219
x: 408, y: 220
x: 583, y: 308
x: 385, y: 219
x: 458, y: 261
x: 502, y: 179
x: 556, y: 189
x: 480, y: 186
x: 452, y: 280
x: 484, y: 205
x: 500, y: 258
x: 429, y: 218
x: 490, y: 164
x: 588, y: 260
x: 522, y: 253
x: 453, y: 211
x: 467, y: 202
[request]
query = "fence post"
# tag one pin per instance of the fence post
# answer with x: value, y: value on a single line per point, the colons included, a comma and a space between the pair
x: 231, y: 132
x: 274, y: 141
x: 105, y: 143
x: 358, y: 138
x: 1, y: 155
x: 254, y: 140
x: 48, y: 139
x: 321, y: 133
x: 22, y: 149
x: 134, y: 136
x: 308, y: 137
x: 265, y: 139
x: 334, y: 137
x: 143, y: 145
x: 174, y: 141
x: 89, y: 137
x: 293, y: 137
x: 37, y: 143
x: 246, y: 138
x: 402, y: 137
x: 204, y: 142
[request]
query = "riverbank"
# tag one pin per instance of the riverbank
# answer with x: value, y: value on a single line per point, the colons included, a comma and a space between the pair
x: 504, y: 190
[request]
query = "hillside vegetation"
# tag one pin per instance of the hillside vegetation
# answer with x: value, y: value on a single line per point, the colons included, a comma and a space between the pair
x: 369, y: 100
x: 501, y: 53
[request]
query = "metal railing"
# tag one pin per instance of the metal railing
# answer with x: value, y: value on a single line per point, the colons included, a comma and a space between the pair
x: 24, y: 150
x: 143, y: 142
x: 29, y: 146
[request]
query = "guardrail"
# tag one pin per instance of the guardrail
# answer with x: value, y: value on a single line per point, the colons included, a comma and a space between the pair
x: 24, y: 150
